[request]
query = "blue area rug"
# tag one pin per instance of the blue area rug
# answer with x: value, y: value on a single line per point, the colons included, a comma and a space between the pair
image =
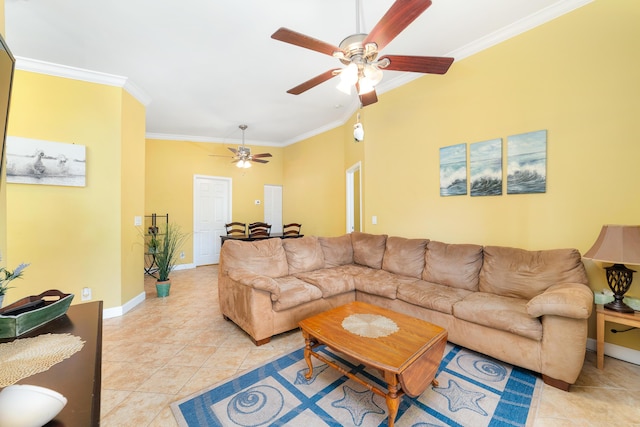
x: 473, y: 390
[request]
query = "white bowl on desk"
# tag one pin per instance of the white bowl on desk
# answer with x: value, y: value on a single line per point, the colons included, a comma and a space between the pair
x: 24, y: 405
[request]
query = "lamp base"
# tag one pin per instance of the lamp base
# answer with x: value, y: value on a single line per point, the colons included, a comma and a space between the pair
x: 619, y: 306
x: 619, y: 279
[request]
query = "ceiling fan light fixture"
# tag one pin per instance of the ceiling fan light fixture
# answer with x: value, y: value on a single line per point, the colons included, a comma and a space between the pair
x: 365, y: 86
x: 373, y: 74
x: 344, y: 88
x: 349, y: 76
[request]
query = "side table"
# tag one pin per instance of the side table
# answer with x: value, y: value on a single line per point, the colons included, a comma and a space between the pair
x: 604, y: 315
x: 78, y: 378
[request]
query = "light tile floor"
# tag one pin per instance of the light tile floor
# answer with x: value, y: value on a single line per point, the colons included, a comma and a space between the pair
x: 169, y: 348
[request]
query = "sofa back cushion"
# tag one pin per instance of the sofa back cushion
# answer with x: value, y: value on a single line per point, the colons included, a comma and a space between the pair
x: 337, y: 250
x: 520, y: 273
x: 454, y: 265
x: 266, y: 257
x: 368, y: 249
x: 404, y: 256
x: 303, y: 254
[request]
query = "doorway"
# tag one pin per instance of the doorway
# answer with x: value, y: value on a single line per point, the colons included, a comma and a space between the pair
x: 211, y: 211
x: 354, y: 198
x: 273, y: 207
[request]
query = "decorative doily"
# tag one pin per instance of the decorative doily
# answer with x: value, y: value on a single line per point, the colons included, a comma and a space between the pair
x: 369, y: 325
x: 24, y: 357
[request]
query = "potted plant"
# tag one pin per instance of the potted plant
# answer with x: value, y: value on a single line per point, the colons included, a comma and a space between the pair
x: 166, y: 255
x: 7, y: 276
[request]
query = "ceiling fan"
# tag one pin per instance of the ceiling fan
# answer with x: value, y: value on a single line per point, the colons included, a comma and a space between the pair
x: 359, y: 52
x: 242, y: 155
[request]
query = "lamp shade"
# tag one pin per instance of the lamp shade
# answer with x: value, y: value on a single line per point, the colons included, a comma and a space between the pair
x: 618, y: 244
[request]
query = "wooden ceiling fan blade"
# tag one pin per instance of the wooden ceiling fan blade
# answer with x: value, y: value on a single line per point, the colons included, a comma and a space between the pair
x: 398, y: 17
x: 368, y: 98
x: 260, y: 161
x: 262, y: 155
x: 292, y: 37
x: 233, y: 150
x: 303, y: 87
x: 418, y: 64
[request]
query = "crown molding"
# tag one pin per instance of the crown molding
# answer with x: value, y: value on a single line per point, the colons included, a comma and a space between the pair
x: 209, y: 139
x: 74, y: 73
x: 541, y: 17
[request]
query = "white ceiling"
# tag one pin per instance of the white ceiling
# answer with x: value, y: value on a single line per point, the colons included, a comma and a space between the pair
x: 208, y: 66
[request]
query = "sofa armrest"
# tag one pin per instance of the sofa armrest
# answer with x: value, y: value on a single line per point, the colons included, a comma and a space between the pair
x: 256, y: 281
x: 573, y: 300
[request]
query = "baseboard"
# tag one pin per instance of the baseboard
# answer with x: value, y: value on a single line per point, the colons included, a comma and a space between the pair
x: 616, y: 351
x: 108, y: 313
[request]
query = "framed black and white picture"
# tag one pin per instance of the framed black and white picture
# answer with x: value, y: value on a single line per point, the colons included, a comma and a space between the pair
x: 32, y: 161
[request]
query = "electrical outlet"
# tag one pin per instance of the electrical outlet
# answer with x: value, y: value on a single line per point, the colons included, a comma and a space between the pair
x: 137, y: 221
x: 86, y: 294
x: 374, y: 220
x: 182, y: 255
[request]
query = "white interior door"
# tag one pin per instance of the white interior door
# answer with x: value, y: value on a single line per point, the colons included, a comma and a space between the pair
x: 212, y: 210
x: 354, y: 198
x: 273, y: 207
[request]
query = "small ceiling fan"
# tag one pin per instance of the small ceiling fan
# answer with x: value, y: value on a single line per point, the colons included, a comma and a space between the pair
x: 359, y: 52
x: 242, y: 155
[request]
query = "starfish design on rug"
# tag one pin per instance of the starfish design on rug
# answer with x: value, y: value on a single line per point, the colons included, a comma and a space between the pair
x: 317, y: 370
x: 358, y: 403
x: 459, y: 398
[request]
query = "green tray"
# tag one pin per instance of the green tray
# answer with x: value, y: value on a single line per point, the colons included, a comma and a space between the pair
x: 56, y: 304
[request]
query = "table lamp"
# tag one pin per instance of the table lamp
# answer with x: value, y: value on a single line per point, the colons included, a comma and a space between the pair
x: 617, y: 244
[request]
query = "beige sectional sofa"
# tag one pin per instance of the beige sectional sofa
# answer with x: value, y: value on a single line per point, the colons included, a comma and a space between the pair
x: 527, y: 308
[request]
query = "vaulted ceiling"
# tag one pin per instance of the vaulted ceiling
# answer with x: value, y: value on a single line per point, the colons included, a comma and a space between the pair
x: 207, y: 66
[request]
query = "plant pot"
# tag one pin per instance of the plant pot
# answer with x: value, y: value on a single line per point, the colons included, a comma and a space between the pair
x: 163, y: 288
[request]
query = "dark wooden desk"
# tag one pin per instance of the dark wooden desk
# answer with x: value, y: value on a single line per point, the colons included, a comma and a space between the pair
x: 78, y: 378
x: 246, y: 238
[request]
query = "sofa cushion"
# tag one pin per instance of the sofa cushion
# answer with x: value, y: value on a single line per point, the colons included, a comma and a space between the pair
x: 499, y: 312
x: 381, y: 282
x: 455, y: 265
x: 520, y: 273
x: 404, y: 256
x: 431, y: 295
x: 337, y: 250
x: 294, y: 292
x: 331, y: 281
x: 264, y: 257
x: 303, y: 254
x: 368, y: 249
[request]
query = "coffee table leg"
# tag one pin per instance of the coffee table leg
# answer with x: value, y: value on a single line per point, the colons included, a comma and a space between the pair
x: 392, y: 398
x: 307, y: 354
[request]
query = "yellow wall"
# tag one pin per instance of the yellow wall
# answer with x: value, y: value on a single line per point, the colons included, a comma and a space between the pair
x: 73, y: 236
x: 132, y: 194
x: 314, y: 192
x: 574, y: 76
x: 170, y: 170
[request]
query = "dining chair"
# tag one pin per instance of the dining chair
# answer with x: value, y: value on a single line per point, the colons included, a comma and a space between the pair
x: 291, y: 230
x: 236, y: 229
x: 259, y: 229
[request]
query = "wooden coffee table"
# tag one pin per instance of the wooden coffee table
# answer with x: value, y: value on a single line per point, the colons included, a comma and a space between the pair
x: 407, y: 355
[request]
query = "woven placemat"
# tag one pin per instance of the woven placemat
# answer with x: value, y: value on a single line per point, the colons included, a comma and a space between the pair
x: 24, y: 357
x: 369, y: 325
